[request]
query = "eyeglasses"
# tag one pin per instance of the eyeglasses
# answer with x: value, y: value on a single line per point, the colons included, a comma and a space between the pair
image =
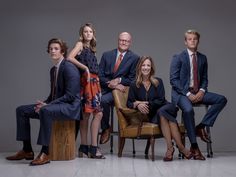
x: 124, y: 41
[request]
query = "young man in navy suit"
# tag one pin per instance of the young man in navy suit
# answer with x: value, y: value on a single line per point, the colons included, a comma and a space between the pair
x: 62, y: 103
x: 117, y: 69
x: 189, y: 80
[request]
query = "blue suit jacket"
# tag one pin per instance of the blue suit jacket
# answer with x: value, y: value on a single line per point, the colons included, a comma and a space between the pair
x: 180, y: 74
x: 126, y: 70
x: 67, y: 90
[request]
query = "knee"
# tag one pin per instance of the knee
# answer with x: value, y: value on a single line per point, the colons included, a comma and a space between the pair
x: 19, y: 109
x: 104, y: 102
x: 99, y: 115
x: 188, y: 111
x: 223, y: 100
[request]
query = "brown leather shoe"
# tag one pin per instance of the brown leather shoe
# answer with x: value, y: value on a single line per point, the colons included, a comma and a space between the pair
x: 21, y: 155
x: 201, y: 132
x: 197, y: 155
x: 41, y: 159
x: 105, y: 136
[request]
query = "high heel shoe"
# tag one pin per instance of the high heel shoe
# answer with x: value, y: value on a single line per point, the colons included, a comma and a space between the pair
x: 95, y: 153
x: 169, y: 154
x: 83, y: 151
x: 186, y: 153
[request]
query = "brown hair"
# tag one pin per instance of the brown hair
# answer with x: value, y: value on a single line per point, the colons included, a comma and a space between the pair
x: 139, y: 77
x: 61, y: 43
x: 93, y: 42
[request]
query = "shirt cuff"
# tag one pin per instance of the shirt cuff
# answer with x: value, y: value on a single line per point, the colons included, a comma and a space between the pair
x: 189, y: 93
x: 203, y: 90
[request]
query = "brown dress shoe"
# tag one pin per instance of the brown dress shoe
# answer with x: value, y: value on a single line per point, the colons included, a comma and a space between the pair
x: 21, y: 155
x: 105, y: 136
x: 197, y: 155
x: 41, y: 159
x: 201, y: 132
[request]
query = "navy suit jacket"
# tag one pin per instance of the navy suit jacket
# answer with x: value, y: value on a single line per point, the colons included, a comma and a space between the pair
x: 180, y: 74
x: 67, y: 90
x: 126, y: 70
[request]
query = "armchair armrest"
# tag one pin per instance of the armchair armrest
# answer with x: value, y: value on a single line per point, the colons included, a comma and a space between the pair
x: 134, y: 117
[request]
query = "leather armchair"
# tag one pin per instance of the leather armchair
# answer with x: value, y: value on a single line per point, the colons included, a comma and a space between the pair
x: 133, y: 124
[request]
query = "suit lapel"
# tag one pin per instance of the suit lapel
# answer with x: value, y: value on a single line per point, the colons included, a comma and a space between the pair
x: 113, y: 59
x: 59, y: 77
x: 199, y: 64
x: 123, y: 62
x: 187, y: 60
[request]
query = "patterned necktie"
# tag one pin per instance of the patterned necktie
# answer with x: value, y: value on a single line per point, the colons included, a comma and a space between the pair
x: 54, y: 81
x: 195, y: 74
x: 118, y: 63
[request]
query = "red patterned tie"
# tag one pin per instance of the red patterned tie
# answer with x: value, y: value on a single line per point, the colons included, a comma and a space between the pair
x: 118, y: 63
x: 195, y: 74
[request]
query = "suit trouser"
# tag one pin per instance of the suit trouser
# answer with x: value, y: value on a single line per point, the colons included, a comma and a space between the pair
x: 107, y: 101
x: 45, y: 116
x: 215, y: 101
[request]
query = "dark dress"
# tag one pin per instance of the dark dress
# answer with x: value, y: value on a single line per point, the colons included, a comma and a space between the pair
x: 90, y: 91
x: 158, y: 106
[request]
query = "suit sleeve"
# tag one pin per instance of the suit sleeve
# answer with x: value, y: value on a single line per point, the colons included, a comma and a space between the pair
x: 204, y: 80
x: 175, y: 68
x: 101, y: 73
x: 49, y: 98
x: 72, y: 84
x: 126, y: 80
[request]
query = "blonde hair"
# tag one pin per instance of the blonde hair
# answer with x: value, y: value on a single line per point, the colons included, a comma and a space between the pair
x: 191, y: 31
x: 139, y: 77
x: 93, y: 42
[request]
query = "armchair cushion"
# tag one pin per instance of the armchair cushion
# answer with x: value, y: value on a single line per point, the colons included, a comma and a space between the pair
x: 133, y: 116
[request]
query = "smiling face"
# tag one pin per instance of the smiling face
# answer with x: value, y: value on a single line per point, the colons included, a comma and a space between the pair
x: 87, y: 34
x: 55, y: 52
x: 124, y: 41
x: 146, y: 68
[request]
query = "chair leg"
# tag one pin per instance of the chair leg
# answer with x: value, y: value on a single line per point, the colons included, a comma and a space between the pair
x: 152, y: 142
x: 181, y: 156
x: 133, y: 148
x: 112, y: 130
x: 147, y: 148
x: 209, y: 147
x: 121, y: 146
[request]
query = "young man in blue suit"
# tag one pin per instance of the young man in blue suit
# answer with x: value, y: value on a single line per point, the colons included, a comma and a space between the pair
x: 189, y: 80
x: 117, y: 69
x: 62, y: 103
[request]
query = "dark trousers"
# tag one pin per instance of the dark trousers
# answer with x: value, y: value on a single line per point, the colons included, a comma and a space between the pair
x: 107, y: 101
x: 215, y: 101
x: 45, y: 116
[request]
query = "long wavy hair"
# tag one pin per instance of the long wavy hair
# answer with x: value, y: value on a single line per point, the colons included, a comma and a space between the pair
x: 139, y: 76
x: 93, y: 42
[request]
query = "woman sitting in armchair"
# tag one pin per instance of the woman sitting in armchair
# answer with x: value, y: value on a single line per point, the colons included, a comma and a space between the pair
x: 147, y: 95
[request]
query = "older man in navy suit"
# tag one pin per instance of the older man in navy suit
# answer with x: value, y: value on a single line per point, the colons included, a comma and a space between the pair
x: 189, y: 80
x: 117, y: 69
x: 62, y: 103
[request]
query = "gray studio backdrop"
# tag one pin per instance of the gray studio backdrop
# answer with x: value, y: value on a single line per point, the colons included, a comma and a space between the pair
x: 157, y: 28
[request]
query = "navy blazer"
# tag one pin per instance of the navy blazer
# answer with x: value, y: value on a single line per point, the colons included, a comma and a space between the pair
x: 180, y: 74
x: 126, y: 70
x: 155, y: 96
x: 67, y: 90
